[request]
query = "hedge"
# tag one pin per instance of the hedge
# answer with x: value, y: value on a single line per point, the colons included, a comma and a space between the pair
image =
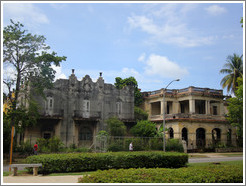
x: 206, y: 174
x: 77, y: 162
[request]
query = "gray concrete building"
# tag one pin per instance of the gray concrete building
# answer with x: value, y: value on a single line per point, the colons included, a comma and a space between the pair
x: 76, y: 110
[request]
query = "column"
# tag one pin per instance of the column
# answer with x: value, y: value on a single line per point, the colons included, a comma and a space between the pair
x: 175, y: 107
x: 208, y: 107
x: 192, y: 106
x: 162, y: 107
x: 221, y: 109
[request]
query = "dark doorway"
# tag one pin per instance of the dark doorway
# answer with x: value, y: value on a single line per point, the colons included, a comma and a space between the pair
x: 170, y: 130
x: 185, y: 135
x: 200, y: 138
x: 229, y: 138
x: 216, y: 135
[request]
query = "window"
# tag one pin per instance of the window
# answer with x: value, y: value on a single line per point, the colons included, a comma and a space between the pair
x: 47, y: 135
x: 168, y: 109
x: 200, y: 106
x: 156, y: 108
x: 49, y: 103
x: 85, y: 134
x: 86, y: 105
x: 215, y: 111
x: 118, y: 107
x: 170, y: 133
x: 182, y: 108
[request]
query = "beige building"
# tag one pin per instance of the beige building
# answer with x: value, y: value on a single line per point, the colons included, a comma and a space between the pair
x: 196, y: 115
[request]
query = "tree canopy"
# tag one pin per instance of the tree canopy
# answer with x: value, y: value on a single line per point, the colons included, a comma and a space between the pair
x: 233, y: 69
x: 120, y: 83
x: 30, y: 57
x: 235, y: 109
x: 144, y: 128
x: 116, y: 127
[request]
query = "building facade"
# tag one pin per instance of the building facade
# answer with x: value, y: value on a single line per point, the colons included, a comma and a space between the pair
x: 76, y: 110
x: 196, y: 115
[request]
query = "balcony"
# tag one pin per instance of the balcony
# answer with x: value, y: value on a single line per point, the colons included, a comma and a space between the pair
x: 122, y: 116
x: 187, y: 116
x: 52, y: 113
x: 92, y: 115
x: 186, y: 91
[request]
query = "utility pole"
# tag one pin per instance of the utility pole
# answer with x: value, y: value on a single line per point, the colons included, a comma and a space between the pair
x: 164, y: 122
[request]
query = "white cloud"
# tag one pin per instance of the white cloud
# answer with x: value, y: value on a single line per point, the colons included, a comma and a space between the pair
x: 167, y: 24
x: 215, y: 10
x: 142, y: 57
x: 163, y: 67
x: 59, y: 74
x: 58, y: 5
x: 25, y: 12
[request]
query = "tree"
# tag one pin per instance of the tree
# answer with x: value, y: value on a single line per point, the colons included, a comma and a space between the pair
x: 31, y: 59
x: 241, y: 22
x: 140, y: 114
x: 120, y: 83
x: 234, y: 69
x: 144, y: 128
x: 235, y: 110
x: 28, y: 55
x: 116, y: 127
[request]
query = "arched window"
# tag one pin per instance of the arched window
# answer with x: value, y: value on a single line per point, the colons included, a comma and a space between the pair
x: 216, y: 133
x: 185, y: 134
x: 85, y: 134
x: 229, y: 137
x: 170, y: 131
x: 200, y: 137
x: 49, y: 103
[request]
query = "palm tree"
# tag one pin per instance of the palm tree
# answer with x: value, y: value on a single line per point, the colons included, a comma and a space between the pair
x: 234, y: 69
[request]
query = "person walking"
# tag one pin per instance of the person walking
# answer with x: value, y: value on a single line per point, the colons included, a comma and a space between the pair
x: 35, y: 149
x: 131, y: 147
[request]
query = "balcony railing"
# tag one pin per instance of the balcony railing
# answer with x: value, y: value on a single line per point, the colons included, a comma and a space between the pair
x: 126, y: 116
x: 91, y: 114
x: 52, y: 113
x: 187, y: 115
x: 191, y: 89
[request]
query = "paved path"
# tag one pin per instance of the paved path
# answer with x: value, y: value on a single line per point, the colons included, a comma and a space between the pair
x: 214, y: 159
x: 41, y: 179
x: 74, y: 178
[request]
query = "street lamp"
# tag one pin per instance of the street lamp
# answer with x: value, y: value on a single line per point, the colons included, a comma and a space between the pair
x: 164, y: 122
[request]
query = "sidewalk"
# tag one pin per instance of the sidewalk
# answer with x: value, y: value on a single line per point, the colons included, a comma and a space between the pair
x: 214, y: 155
x: 41, y: 179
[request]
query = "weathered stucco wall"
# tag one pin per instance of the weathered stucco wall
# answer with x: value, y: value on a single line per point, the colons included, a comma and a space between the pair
x: 74, y: 105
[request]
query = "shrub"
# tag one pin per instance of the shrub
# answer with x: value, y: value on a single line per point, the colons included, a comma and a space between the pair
x: 144, y: 128
x: 53, y: 144
x: 140, y: 114
x: 115, y: 147
x: 77, y: 162
x: 42, y: 145
x: 116, y: 127
x: 25, y: 148
x: 174, y: 145
x: 202, y: 174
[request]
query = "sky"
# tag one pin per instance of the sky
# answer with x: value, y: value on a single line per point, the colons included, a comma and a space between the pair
x: 153, y: 42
